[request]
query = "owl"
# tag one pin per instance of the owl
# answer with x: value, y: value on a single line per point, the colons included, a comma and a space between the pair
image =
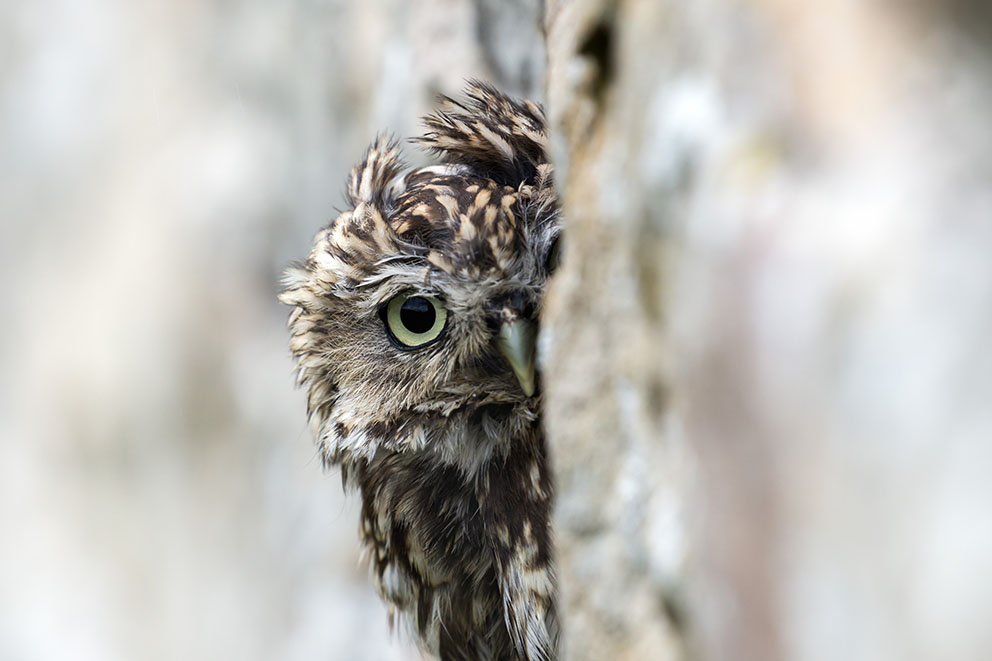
x: 414, y: 322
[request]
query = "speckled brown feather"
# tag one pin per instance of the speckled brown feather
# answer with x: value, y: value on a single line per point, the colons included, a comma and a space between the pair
x: 446, y: 449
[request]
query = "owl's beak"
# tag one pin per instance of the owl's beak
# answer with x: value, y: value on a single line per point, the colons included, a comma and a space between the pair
x: 518, y: 342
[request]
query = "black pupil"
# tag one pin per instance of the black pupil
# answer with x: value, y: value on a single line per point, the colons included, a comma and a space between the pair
x: 417, y: 314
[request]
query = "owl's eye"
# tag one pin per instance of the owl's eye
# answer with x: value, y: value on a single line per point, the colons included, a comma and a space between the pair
x: 414, y: 321
x: 554, y: 256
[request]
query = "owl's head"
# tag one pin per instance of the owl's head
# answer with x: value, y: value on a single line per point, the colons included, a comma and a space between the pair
x: 414, y: 318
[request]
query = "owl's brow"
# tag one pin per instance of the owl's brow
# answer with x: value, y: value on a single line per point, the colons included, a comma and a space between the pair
x: 412, y: 261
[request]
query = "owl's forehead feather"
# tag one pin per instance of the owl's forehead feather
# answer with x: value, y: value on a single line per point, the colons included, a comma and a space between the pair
x: 462, y: 224
x: 466, y: 231
x: 448, y: 210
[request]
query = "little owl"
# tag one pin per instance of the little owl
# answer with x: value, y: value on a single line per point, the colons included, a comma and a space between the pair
x: 414, y: 324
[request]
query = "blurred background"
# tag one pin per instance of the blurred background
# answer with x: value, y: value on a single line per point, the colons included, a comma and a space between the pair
x: 160, y: 164
x: 769, y: 384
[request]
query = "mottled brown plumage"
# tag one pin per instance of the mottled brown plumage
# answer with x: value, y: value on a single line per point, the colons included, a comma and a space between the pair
x: 413, y: 329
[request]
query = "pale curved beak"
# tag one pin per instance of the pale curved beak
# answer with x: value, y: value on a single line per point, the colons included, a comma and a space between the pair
x: 518, y: 342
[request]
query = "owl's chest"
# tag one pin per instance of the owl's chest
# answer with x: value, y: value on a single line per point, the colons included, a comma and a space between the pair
x: 465, y: 559
x: 426, y: 530
x: 425, y: 521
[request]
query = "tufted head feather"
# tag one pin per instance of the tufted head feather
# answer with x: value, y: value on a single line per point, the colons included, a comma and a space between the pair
x: 475, y: 232
x: 497, y: 137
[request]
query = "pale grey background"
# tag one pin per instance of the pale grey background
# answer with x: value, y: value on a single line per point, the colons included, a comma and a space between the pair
x: 769, y: 372
x: 160, y: 163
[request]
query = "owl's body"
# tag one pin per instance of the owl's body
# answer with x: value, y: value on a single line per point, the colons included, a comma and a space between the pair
x: 413, y: 326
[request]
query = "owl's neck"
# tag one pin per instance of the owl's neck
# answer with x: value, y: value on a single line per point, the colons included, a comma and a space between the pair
x: 475, y: 440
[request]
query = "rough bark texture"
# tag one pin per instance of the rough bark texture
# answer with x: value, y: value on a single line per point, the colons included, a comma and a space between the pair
x: 767, y: 351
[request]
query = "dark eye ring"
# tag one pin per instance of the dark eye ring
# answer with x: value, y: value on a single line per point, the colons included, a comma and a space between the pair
x: 414, y: 321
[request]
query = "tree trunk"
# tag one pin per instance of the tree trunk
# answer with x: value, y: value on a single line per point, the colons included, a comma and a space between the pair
x: 767, y: 359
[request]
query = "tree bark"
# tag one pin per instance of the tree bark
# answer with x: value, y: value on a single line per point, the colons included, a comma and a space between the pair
x: 766, y: 350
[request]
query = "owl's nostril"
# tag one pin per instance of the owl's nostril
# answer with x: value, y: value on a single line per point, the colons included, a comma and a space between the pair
x: 508, y: 315
x: 518, y: 305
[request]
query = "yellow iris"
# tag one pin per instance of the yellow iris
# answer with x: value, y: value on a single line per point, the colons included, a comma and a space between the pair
x: 415, y: 320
